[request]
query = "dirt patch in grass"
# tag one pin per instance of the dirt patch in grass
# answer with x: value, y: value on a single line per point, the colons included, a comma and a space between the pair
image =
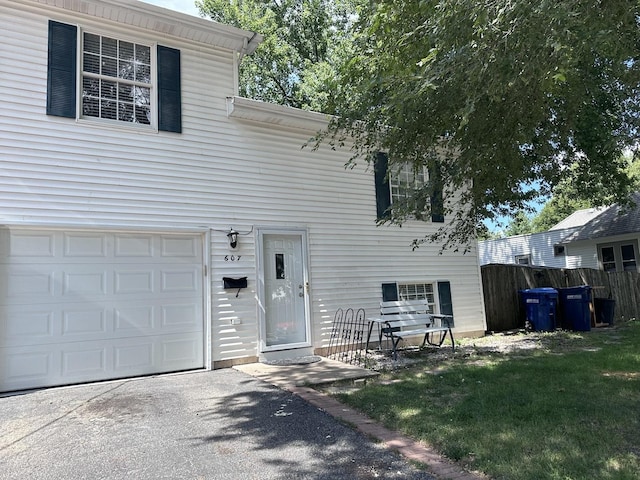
x: 490, y: 348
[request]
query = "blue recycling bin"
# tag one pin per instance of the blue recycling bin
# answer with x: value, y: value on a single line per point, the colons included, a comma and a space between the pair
x: 540, y: 307
x: 575, y: 311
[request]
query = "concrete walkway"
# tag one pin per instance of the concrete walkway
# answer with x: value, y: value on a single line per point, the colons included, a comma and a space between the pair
x: 298, y: 380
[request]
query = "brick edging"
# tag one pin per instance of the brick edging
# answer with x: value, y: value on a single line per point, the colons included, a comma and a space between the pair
x: 408, y: 448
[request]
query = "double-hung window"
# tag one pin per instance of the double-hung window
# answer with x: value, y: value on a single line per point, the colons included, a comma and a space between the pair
x: 437, y: 294
x: 400, y: 185
x: 405, y: 182
x: 117, y: 80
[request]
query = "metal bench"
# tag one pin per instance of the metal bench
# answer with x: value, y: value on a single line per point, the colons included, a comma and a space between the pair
x: 409, y: 318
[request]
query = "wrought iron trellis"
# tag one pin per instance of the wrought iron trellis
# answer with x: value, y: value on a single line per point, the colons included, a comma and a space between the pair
x: 347, y: 342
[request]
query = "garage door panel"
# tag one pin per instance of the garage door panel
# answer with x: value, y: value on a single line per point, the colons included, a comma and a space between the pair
x: 28, y: 245
x: 94, y: 245
x: 177, y: 351
x: 179, y: 247
x: 103, y: 305
x: 60, y: 364
x: 64, y: 283
x: 21, y: 284
x: 33, y: 324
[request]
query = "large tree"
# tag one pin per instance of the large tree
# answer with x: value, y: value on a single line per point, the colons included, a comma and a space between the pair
x: 304, y: 43
x: 500, y: 97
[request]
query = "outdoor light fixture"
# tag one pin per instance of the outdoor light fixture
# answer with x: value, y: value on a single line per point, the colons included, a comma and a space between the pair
x: 233, y: 238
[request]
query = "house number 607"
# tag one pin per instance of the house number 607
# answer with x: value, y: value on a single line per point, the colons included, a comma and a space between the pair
x: 232, y: 258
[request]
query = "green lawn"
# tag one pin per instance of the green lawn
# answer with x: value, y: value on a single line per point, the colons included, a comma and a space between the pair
x: 569, y: 409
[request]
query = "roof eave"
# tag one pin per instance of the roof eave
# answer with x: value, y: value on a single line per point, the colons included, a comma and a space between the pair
x: 160, y: 20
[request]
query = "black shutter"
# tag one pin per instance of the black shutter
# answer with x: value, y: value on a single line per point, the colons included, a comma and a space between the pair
x: 437, y: 201
x: 169, y: 100
x: 444, y: 296
x: 389, y: 292
x: 61, y: 70
x: 383, y: 193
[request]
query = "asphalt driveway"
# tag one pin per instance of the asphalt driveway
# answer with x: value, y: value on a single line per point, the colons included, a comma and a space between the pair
x: 222, y: 424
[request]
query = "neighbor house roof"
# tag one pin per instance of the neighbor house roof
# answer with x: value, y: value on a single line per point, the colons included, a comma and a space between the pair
x: 612, y: 221
x: 578, y: 218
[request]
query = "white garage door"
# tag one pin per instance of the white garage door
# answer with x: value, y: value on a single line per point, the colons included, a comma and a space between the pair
x: 78, y: 306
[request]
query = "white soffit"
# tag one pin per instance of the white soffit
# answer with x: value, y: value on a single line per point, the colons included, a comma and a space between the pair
x: 160, y: 20
x: 255, y: 110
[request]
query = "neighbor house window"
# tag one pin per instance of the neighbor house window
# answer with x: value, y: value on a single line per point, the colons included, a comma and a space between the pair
x: 116, y: 79
x: 619, y: 257
x: 523, y: 259
x: 120, y: 81
x: 400, y: 186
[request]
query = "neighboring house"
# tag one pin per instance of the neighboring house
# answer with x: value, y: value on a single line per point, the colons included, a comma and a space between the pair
x: 544, y: 249
x: 139, y: 196
x: 608, y: 241
x: 602, y: 238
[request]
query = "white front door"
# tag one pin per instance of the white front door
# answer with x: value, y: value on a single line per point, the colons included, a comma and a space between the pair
x: 284, y: 321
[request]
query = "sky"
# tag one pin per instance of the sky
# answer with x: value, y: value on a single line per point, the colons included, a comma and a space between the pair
x: 183, y: 6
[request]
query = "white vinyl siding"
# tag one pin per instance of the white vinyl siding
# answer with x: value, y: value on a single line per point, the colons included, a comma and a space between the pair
x: 538, y: 248
x: 220, y: 173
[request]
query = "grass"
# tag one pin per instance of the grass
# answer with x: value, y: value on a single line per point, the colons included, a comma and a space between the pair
x: 569, y: 409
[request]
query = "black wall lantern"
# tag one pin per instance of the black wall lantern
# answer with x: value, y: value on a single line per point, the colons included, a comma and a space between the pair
x: 232, y: 236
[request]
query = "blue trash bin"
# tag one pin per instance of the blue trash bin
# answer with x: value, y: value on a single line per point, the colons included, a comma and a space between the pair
x: 575, y: 312
x: 540, y: 307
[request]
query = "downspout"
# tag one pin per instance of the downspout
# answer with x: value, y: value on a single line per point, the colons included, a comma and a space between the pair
x: 245, y: 47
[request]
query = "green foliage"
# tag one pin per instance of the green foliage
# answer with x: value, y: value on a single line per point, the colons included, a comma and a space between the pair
x: 565, y: 201
x: 519, y: 225
x: 509, y: 94
x: 304, y: 42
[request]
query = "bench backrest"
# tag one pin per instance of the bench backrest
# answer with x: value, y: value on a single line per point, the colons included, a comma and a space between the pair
x: 409, y: 311
x: 404, y: 307
x: 412, y: 312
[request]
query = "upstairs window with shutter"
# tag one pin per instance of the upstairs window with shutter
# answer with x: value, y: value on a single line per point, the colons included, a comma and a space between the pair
x: 118, y: 81
x: 400, y: 185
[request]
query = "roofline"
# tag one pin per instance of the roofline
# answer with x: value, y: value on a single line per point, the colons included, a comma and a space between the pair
x: 158, y: 19
x: 271, y: 113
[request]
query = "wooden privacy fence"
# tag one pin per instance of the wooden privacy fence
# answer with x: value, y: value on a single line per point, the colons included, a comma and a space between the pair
x: 501, y: 284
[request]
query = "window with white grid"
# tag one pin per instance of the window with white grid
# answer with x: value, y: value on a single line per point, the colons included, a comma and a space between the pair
x: 405, y: 181
x: 418, y: 291
x: 116, y: 79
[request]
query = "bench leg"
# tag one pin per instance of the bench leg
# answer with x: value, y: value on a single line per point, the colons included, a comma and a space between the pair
x: 443, y: 337
x: 395, y: 341
x: 366, y: 347
x: 439, y: 343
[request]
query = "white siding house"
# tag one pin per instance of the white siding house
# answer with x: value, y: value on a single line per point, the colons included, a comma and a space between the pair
x: 537, y: 249
x: 544, y: 249
x: 123, y: 175
x: 604, y: 238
